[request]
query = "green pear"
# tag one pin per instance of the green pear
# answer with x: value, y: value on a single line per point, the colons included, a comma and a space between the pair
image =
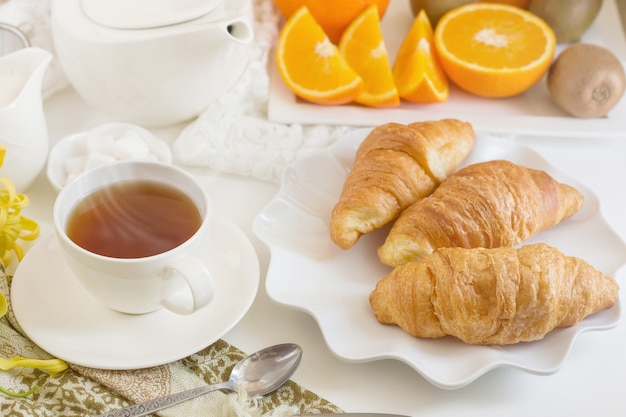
x: 569, y: 19
x: 436, y: 8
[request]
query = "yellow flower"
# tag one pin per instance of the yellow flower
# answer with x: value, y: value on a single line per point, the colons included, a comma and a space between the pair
x: 54, y: 366
x: 4, y: 306
x: 13, y: 225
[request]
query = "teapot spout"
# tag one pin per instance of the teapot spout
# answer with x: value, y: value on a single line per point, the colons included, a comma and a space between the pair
x: 240, y: 30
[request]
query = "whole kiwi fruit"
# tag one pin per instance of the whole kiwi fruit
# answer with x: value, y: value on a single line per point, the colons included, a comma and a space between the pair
x: 586, y: 80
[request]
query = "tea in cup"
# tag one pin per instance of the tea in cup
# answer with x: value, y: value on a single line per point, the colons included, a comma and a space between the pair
x: 133, y: 234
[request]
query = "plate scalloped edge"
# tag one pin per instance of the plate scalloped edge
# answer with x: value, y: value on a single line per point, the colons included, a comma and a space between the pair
x: 333, y: 285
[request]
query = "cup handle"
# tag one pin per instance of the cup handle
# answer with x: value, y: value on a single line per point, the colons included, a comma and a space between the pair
x: 188, y: 286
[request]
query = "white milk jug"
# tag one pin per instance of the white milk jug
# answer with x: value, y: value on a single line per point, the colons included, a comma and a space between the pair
x: 23, y: 128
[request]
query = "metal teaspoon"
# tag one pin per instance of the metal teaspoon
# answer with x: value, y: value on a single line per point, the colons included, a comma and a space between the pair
x: 258, y: 374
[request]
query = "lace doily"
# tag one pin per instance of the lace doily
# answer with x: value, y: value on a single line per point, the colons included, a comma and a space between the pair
x: 233, y: 134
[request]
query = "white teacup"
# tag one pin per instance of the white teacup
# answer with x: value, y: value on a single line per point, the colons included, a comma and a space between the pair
x: 175, y: 278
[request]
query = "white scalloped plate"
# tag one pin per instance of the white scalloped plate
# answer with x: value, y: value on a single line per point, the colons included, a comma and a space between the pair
x: 309, y: 273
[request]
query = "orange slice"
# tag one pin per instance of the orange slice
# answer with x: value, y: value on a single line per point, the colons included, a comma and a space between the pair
x: 364, y: 49
x: 311, y: 65
x: 417, y: 72
x: 494, y: 50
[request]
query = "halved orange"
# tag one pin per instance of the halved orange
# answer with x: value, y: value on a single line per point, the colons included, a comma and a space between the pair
x: 311, y: 65
x: 364, y: 49
x: 494, y: 50
x: 416, y: 70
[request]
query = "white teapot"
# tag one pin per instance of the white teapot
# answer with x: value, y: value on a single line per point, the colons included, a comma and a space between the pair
x: 152, y: 62
x: 23, y: 127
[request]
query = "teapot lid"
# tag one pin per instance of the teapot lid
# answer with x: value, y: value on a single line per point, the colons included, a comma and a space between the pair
x: 145, y: 14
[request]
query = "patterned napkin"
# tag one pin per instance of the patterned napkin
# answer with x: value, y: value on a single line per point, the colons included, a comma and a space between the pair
x: 81, y: 391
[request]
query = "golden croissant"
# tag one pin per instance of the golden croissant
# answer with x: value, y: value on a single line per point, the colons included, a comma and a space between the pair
x: 492, y: 296
x: 487, y: 204
x: 394, y: 166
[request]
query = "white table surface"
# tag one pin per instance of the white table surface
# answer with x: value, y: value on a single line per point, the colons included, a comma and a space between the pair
x: 591, y: 382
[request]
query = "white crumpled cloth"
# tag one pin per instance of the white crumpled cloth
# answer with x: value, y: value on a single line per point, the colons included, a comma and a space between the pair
x: 233, y: 134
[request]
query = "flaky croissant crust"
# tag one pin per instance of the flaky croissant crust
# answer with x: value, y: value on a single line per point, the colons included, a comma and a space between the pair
x: 492, y: 296
x: 488, y: 204
x: 394, y: 166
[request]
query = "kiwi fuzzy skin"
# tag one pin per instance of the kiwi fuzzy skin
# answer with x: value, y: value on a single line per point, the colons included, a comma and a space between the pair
x: 586, y: 80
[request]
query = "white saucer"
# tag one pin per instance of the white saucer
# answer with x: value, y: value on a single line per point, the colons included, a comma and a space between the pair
x: 62, y: 318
